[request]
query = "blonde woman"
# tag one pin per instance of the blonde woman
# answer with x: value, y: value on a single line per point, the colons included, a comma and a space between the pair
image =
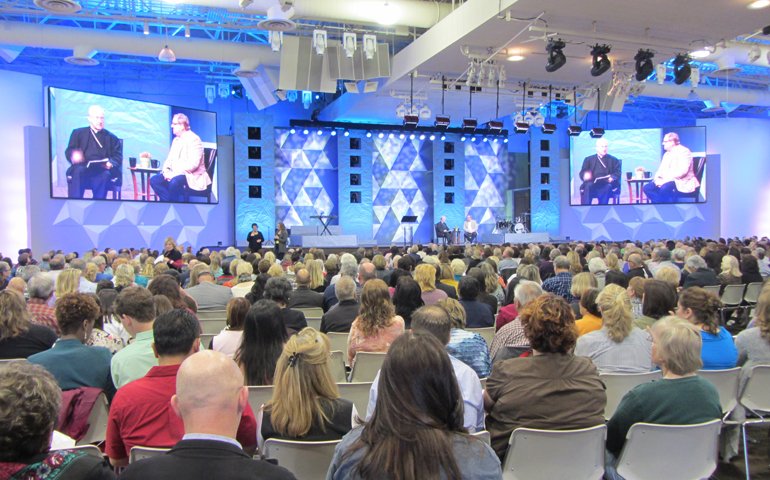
x: 635, y: 291
x: 315, y: 269
x: 270, y: 257
x: 617, y: 347
x: 306, y: 404
x: 612, y: 262
x: 124, y: 277
x: 529, y: 272
x: 468, y: 347
x: 731, y: 273
x: 171, y: 254
x: 275, y: 271
x: 68, y: 281
x: 194, y: 274
x: 575, y: 267
x: 216, y: 264
x: 377, y: 324
x: 492, y: 281
x: 242, y: 282
x: 148, y: 270
x: 447, y: 276
x: 91, y: 271
x: 580, y: 283
x: 426, y: 277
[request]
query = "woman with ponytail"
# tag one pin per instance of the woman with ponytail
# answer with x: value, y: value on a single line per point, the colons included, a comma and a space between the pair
x: 617, y: 347
x: 701, y: 308
x: 306, y: 404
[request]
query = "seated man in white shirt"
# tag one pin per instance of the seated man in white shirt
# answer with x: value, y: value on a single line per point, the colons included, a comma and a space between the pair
x: 471, y: 229
x: 435, y: 320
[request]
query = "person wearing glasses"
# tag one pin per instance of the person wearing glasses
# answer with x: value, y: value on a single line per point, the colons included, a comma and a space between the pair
x: 184, y: 167
x: 96, y: 156
x: 675, y: 174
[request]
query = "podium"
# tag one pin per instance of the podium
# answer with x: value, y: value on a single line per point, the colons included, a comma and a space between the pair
x: 407, y: 222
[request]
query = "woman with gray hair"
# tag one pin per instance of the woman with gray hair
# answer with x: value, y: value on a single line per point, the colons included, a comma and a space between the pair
x: 30, y: 401
x: 698, y: 274
x: 598, y: 268
x: 278, y: 289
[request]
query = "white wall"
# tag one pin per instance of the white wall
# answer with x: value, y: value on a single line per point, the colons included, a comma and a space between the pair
x: 744, y: 145
x: 21, y: 104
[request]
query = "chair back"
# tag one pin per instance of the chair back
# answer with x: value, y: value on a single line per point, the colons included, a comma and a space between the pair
x: 365, y: 366
x: 339, y: 341
x: 92, y: 450
x: 484, y: 436
x: 504, y: 353
x: 580, y: 454
x: 97, y: 422
x: 5, y: 363
x: 306, y: 460
x: 358, y: 393
x: 756, y: 394
x: 712, y: 289
x: 337, y: 366
x: 684, y: 452
x: 140, y: 453
x: 259, y: 396
x: 315, y: 323
x: 212, y: 315
x: 210, y: 160
x: 752, y: 292
x: 310, y: 312
x: 727, y: 383
x: 488, y: 333
x: 506, y: 273
x: 213, y: 327
x: 733, y: 295
x: 619, y: 384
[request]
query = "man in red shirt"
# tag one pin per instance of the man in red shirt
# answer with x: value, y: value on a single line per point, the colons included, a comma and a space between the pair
x: 40, y: 289
x: 141, y: 412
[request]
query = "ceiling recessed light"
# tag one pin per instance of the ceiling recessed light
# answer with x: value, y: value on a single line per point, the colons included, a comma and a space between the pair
x: 759, y: 4
x: 518, y: 58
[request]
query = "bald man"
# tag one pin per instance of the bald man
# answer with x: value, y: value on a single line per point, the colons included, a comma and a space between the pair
x: 600, y: 175
x: 210, y: 399
x: 96, y: 157
x: 302, y: 296
x: 17, y: 284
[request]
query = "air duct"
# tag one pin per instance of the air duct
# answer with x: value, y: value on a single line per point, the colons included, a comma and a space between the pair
x: 82, y: 55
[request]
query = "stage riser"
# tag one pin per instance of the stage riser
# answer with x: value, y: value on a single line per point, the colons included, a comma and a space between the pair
x: 311, y: 230
x: 333, y: 241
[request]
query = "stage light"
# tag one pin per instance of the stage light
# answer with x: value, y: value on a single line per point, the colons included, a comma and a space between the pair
x: 597, y: 132
x: 520, y: 127
x: 370, y: 46
x: 401, y: 110
x: 293, y: 131
x: 320, y: 39
x: 754, y: 52
x: 411, y: 137
x: 505, y: 140
x: 380, y: 135
x: 470, y: 123
x: 660, y: 73
x: 388, y: 14
x: 600, y: 61
x: 695, y: 77
x: 556, y: 58
x: 443, y: 137
x: 401, y: 136
x: 432, y: 137
x: 349, y: 44
x: 485, y: 139
x: 411, y: 120
x: 692, y: 96
x: 473, y: 139
x: 494, y: 126
x: 682, y: 69
x: 276, y: 40
x: 334, y: 133
x: 491, y: 78
x: 644, y: 65
x: 471, y: 73
x: 462, y: 139
x: 515, y: 57
x: 146, y: 29
x: 187, y: 31
x: 347, y: 132
x: 501, y: 77
x: 390, y: 135
x: 425, y: 112
x: 548, y: 128
x: 422, y: 137
x: 319, y: 132
x: 758, y: 4
x: 442, y: 121
x: 368, y: 134
x: 574, y: 130
x: 305, y: 131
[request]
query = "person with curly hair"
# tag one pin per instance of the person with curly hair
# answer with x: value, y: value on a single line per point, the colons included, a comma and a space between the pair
x: 71, y: 362
x: 701, y: 308
x: 550, y: 390
x: 30, y: 401
x: 377, y: 324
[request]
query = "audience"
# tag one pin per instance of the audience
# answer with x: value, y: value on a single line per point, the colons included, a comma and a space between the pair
x: 229, y: 339
x: 635, y: 291
x: 580, y: 283
x: 551, y: 389
x: 697, y: 274
x: 306, y: 404
x: 30, y: 401
x: 377, y: 324
x: 264, y: 334
x: 468, y: 347
x: 341, y: 316
x: 617, y: 347
x: 136, y: 309
x: 303, y: 296
x: 658, y: 301
x: 40, y: 289
x: 19, y: 337
x: 425, y: 275
x: 702, y: 310
x: 731, y: 273
x: 484, y: 295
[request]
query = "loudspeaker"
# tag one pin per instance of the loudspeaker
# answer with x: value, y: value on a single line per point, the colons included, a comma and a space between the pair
x: 302, y: 68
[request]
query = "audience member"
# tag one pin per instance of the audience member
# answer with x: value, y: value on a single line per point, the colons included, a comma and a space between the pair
x: 478, y: 315
x: 697, y: 274
x: 561, y: 283
x: 659, y: 300
x: 30, y: 401
x: 484, y: 296
x: 731, y: 273
x: 616, y: 277
x: 212, y: 404
x: 229, y: 339
x: 636, y: 267
x: 341, y: 317
x: 40, y: 290
x: 550, y: 390
x: 439, y: 272
x: 580, y: 283
x: 407, y: 297
x: 19, y: 337
x: 377, y: 324
x: 701, y: 308
x: 466, y: 346
x: 590, y: 314
x: 635, y: 292
x: 136, y: 309
x: 207, y: 294
x: 278, y: 289
x: 303, y: 296
x: 17, y: 284
x: 71, y: 362
x: 512, y: 333
x: 264, y: 335
x: 617, y: 347
x: 750, y: 269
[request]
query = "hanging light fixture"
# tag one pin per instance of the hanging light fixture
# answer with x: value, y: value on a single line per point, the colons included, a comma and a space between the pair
x: 682, y: 68
x: 556, y: 58
x: 166, y: 54
x: 644, y: 65
x: 600, y: 61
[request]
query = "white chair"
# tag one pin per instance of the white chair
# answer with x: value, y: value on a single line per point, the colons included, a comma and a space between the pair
x: 97, y: 422
x: 5, y: 363
x: 751, y: 295
x: 731, y: 299
x: 683, y: 452
x: 339, y: 341
x: 484, y: 436
x: 712, y: 289
x: 727, y: 382
x: 206, y: 339
x: 306, y: 460
x: 259, y: 396
x: 358, y: 393
x: 213, y: 326
x: 212, y: 315
x: 337, y: 366
x: 531, y: 454
x: 92, y: 450
x: 140, y: 453
x: 755, y: 398
x: 311, y: 312
x: 488, y: 333
x: 314, y: 322
x: 365, y: 366
x: 619, y: 384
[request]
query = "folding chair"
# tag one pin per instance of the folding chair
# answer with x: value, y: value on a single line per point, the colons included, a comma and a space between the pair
x: 727, y: 382
x: 531, y: 454
x: 751, y: 295
x: 488, y: 333
x: 339, y: 341
x: 684, y: 452
x: 212, y: 315
x: 5, y: 363
x: 731, y: 299
x: 140, y: 453
x: 365, y: 366
x: 311, y: 312
x: 337, y: 366
x: 755, y: 398
x: 619, y: 384
x: 484, y: 436
x: 92, y: 450
x: 97, y: 422
x: 259, y: 396
x: 212, y: 326
x: 314, y: 323
x: 712, y: 289
x: 306, y: 460
x: 358, y: 393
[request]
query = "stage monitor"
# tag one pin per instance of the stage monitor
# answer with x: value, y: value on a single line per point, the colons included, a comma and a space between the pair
x: 109, y: 148
x: 641, y: 166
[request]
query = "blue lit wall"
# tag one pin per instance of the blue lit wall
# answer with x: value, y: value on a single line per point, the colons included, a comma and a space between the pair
x: 254, y: 210
x: 485, y: 182
x: 454, y: 212
x: 545, y: 213
x: 355, y: 218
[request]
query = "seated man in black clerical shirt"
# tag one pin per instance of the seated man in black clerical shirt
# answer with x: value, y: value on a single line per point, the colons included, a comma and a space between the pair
x: 600, y: 175
x: 96, y: 156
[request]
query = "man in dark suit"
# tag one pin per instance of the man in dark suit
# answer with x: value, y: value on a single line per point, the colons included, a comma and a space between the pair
x: 697, y: 274
x: 302, y: 296
x: 339, y: 318
x: 96, y: 157
x: 442, y: 231
x: 210, y: 399
x: 600, y: 175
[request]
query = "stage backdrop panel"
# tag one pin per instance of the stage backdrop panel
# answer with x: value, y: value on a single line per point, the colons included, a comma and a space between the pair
x: 402, y: 172
x: 254, y: 197
x: 545, y: 182
x: 305, y: 176
x: 355, y: 153
x: 485, y: 182
x: 449, y: 161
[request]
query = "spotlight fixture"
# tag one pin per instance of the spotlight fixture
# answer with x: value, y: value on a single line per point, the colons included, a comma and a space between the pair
x: 462, y: 139
x: 480, y: 78
x: 548, y: 128
x: 319, y: 132
x: 520, y: 127
x: 146, y: 29
x: 425, y: 112
x: 494, y: 126
x: 443, y: 137
x: 422, y: 137
x: 276, y: 40
x: 334, y: 133
x: 236, y: 91
x: 320, y: 39
x: 411, y: 120
x: 491, y: 78
x: 754, y: 53
x: 349, y: 44
x: 411, y: 137
x: 692, y: 96
x: 695, y: 77
x: 370, y: 46
x: 701, y: 53
x: 401, y: 136
x: 682, y: 68
x: 644, y: 65
x: 758, y: 4
x: 501, y: 77
x: 485, y: 139
x: 470, y: 124
x: 305, y: 131
x: 556, y: 58
x: 432, y: 137
x: 505, y: 140
x: 473, y: 139
x: 471, y: 73
x: 597, y: 132
x: 600, y: 61
x: 574, y: 130
x: 368, y: 134
x: 442, y: 121
x: 347, y: 132
x: 401, y: 110
x: 293, y: 131
x: 380, y: 135
x: 390, y: 135
x: 388, y: 14
x: 660, y: 73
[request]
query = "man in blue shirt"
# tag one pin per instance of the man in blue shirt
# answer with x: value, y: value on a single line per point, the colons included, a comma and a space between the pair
x: 561, y: 283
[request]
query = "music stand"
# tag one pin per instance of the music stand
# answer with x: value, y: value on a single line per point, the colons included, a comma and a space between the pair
x: 408, y: 220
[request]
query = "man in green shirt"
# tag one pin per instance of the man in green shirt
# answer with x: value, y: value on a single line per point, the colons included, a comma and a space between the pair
x: 136, y: 309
